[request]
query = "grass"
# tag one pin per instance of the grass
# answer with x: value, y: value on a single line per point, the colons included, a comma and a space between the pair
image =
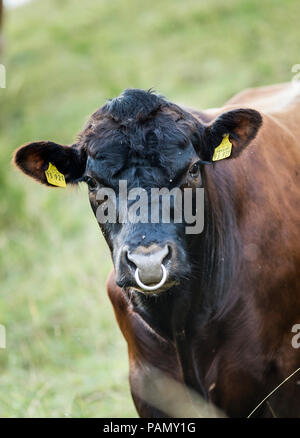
x: 65, y: 355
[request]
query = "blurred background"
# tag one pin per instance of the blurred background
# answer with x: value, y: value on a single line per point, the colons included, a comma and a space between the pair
x: 65, y: 356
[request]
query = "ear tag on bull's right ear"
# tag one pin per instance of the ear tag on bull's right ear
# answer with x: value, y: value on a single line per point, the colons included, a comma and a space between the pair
x: 223, y: 150
x: 54, y: 177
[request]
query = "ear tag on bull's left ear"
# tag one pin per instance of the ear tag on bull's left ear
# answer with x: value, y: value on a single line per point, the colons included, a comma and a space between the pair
x: 54, y: 177
x: 223, y: 150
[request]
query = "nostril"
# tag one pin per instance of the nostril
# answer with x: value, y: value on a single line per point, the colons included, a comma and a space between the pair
x: 169, y: 254
x: 129, y: 262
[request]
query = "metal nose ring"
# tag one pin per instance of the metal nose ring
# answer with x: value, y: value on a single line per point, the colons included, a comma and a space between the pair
x: 156, y: 286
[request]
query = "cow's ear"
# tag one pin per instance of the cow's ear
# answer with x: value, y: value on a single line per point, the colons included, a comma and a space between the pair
x: 65, y: 164
x: 230, y: 133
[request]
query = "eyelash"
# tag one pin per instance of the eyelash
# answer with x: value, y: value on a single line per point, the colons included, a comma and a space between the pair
x: 195, y: 166
x: 88, y: 180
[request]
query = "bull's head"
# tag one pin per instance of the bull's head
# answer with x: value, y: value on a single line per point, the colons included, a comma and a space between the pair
x: 148, y: 143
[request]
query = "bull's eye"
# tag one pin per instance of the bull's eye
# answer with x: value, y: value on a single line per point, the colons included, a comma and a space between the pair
x: 194, y: 170
x: 91, y: 182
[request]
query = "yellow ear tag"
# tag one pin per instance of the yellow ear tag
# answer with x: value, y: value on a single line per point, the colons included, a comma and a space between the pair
x: 223, y: 150
x: 54, y: 177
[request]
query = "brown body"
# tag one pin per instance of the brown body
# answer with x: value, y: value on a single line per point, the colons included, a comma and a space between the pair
x: 247, y: 351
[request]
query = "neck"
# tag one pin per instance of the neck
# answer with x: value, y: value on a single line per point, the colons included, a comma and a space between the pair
x: 218, y: 253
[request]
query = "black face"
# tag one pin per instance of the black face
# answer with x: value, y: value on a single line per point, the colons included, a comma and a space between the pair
x: 142, y: 139
x: 155, y: 153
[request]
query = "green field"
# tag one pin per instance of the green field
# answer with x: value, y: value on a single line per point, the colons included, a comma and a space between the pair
x: 65, y: 355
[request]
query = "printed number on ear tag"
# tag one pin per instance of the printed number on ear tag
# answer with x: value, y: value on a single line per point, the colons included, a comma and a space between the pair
x: 54, y: 176
x: 223, y: 150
